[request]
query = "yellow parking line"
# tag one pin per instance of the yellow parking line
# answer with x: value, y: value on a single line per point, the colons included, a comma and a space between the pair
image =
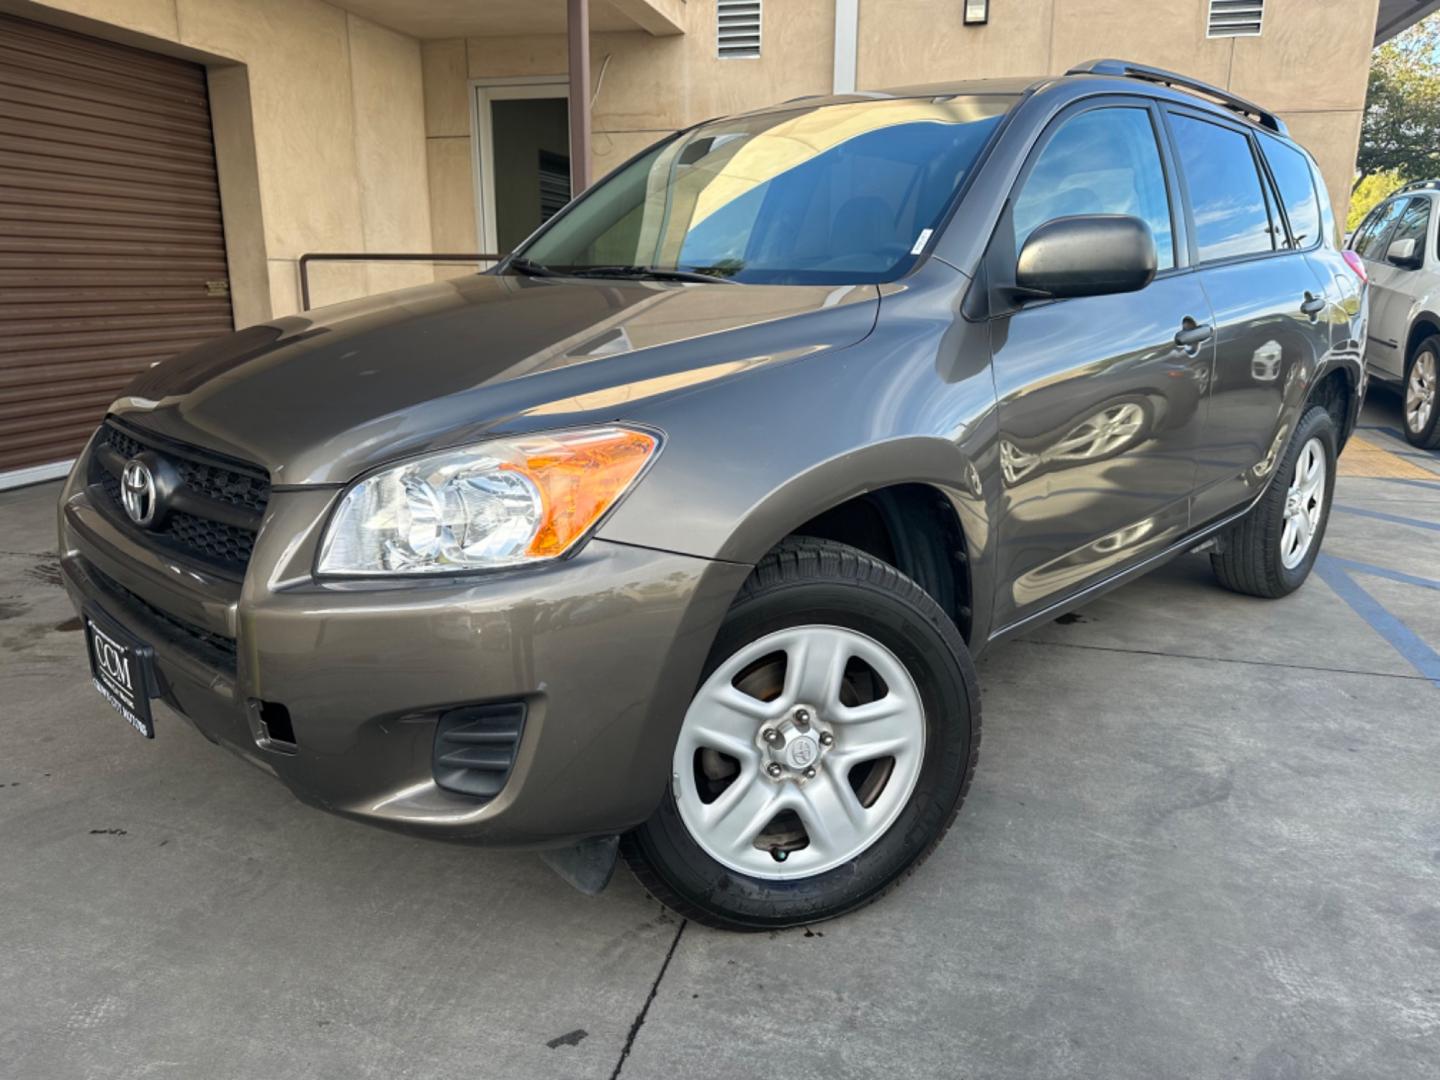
x: 1364, y: 458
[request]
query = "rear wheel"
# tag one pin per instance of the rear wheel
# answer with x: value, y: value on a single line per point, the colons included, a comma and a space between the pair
x: 1270, y: 552
x: 1421, y: 409
x: 825, y: 753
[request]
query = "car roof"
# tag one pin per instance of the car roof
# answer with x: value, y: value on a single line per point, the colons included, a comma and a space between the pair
x: 1117, y: 75
x: 1417, y: 187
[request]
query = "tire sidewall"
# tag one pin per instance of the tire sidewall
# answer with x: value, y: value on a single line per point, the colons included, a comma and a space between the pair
x: 1315, y: 423
x: 946, y: 691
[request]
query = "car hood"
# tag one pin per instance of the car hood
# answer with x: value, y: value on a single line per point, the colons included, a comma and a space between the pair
x: 321, y: 397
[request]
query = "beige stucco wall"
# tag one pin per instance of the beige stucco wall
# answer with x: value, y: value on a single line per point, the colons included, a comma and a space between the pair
x: 320, y: 135
x: 1309, y: 65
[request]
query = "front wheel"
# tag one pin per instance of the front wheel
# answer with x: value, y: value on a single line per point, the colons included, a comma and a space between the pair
x: 825, y: 753
x: 1270, y: 552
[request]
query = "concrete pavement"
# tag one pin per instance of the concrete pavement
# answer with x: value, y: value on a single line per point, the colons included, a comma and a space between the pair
x: 1204, y: 841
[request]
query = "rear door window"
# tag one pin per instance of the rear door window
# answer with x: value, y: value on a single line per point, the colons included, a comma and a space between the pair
x: 1226, y: 195
x: 1104, y: 161
x: 1297, y: 190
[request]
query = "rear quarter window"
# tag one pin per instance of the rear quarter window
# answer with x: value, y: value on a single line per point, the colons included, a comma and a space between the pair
x: 1297, y: 190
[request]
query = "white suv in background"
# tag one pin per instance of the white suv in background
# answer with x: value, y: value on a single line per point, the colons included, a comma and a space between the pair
x: 1398, y: 243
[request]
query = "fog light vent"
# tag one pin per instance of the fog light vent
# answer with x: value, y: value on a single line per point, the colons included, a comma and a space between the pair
x: 475, y: 747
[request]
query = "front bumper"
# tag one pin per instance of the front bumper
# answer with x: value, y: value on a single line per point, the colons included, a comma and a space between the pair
x: 604, y: 648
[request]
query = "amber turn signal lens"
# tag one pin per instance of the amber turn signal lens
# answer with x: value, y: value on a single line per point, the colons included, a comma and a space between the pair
x: 579, y: 476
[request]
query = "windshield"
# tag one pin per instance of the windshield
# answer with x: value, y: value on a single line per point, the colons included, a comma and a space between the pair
x: 834, y: 194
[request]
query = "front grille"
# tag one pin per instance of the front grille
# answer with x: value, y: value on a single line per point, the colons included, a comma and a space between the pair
x: 217, y: 506
x: 225, y: 485
x: 227, y: 544
x: 475, y: 747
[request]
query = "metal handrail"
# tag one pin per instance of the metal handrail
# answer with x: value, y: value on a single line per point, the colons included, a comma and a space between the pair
x: 376, y: 256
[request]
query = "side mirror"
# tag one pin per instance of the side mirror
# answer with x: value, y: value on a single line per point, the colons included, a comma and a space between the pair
x: 1402, y: 253
x: 1086, y: 255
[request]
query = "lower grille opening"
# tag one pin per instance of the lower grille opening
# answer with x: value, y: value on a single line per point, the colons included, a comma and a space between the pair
x: 216, y: 648
x: 276, y: 718
x: 475, y: 747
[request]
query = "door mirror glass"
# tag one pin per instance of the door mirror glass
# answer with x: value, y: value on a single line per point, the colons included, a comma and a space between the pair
x: 1088, y: 255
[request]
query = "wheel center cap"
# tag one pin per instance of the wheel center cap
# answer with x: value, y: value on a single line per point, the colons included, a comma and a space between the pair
x: 801, y: 751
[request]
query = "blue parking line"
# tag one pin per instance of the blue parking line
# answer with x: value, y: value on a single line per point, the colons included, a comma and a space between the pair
x: 1336, y: 573
x: 1424, y: 485
x: 1395, y: 519
x: 1383, y: 571
x: 1393, y: 432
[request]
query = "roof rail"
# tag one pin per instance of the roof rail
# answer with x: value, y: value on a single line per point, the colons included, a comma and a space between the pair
x: 1419, y: 185
x: 1263, y: 117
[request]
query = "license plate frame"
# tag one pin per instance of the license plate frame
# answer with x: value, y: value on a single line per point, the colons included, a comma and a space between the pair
x: 120, y: 667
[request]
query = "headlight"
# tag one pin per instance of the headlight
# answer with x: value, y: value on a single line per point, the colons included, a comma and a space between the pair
x: 506, y: 502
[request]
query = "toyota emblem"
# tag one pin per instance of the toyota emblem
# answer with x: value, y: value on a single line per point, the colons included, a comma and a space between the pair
x: 137, y: 492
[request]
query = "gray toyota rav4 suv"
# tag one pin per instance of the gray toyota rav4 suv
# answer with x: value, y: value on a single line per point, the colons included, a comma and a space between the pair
x: 674, y: 534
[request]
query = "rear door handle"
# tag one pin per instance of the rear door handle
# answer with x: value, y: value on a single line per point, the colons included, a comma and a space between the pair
x: 1192, y: 333
x: 1313, y: 305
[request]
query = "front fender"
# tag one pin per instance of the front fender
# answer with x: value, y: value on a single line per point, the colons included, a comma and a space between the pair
x: 741, y: 524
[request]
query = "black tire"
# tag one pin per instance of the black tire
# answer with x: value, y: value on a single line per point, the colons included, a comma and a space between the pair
x: 1427, y: 436
x: 806, y: 581
x: 1249, y: 559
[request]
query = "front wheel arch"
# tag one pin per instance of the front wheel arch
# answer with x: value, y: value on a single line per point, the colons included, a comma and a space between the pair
x: 1424, y: 325
x: 929, y: 517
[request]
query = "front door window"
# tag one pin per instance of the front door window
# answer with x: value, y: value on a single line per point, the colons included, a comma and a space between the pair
x: 1101, y: 162
x: 1414, y: 226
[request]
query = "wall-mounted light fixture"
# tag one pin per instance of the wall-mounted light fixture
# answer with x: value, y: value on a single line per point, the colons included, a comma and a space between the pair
x: 977, y: 12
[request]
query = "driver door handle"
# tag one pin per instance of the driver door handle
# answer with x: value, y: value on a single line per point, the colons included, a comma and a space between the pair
x: 1313, y: 305
x: 1192, y: 333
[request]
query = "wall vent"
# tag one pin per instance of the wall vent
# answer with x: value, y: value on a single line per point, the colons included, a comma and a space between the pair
x: 1235, y: 18
x: 737, y: 29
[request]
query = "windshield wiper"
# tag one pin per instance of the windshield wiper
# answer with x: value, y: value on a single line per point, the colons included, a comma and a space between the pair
x: 653, y: 273
x: 529, y: 267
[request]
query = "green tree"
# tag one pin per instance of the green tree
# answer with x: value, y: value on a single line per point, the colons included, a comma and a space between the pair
x: 1401, y: 129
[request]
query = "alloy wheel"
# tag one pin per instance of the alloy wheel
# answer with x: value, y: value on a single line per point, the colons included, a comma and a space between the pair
x: 1420, y: 392
x: 1304, y: 504
x: 799, y: 751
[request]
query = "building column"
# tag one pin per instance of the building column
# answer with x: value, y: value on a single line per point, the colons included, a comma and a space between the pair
x: 847, y: 36
x: 577, y: 29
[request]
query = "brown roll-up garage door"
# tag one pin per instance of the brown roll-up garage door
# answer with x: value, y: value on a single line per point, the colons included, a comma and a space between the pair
x: 112, y: 255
